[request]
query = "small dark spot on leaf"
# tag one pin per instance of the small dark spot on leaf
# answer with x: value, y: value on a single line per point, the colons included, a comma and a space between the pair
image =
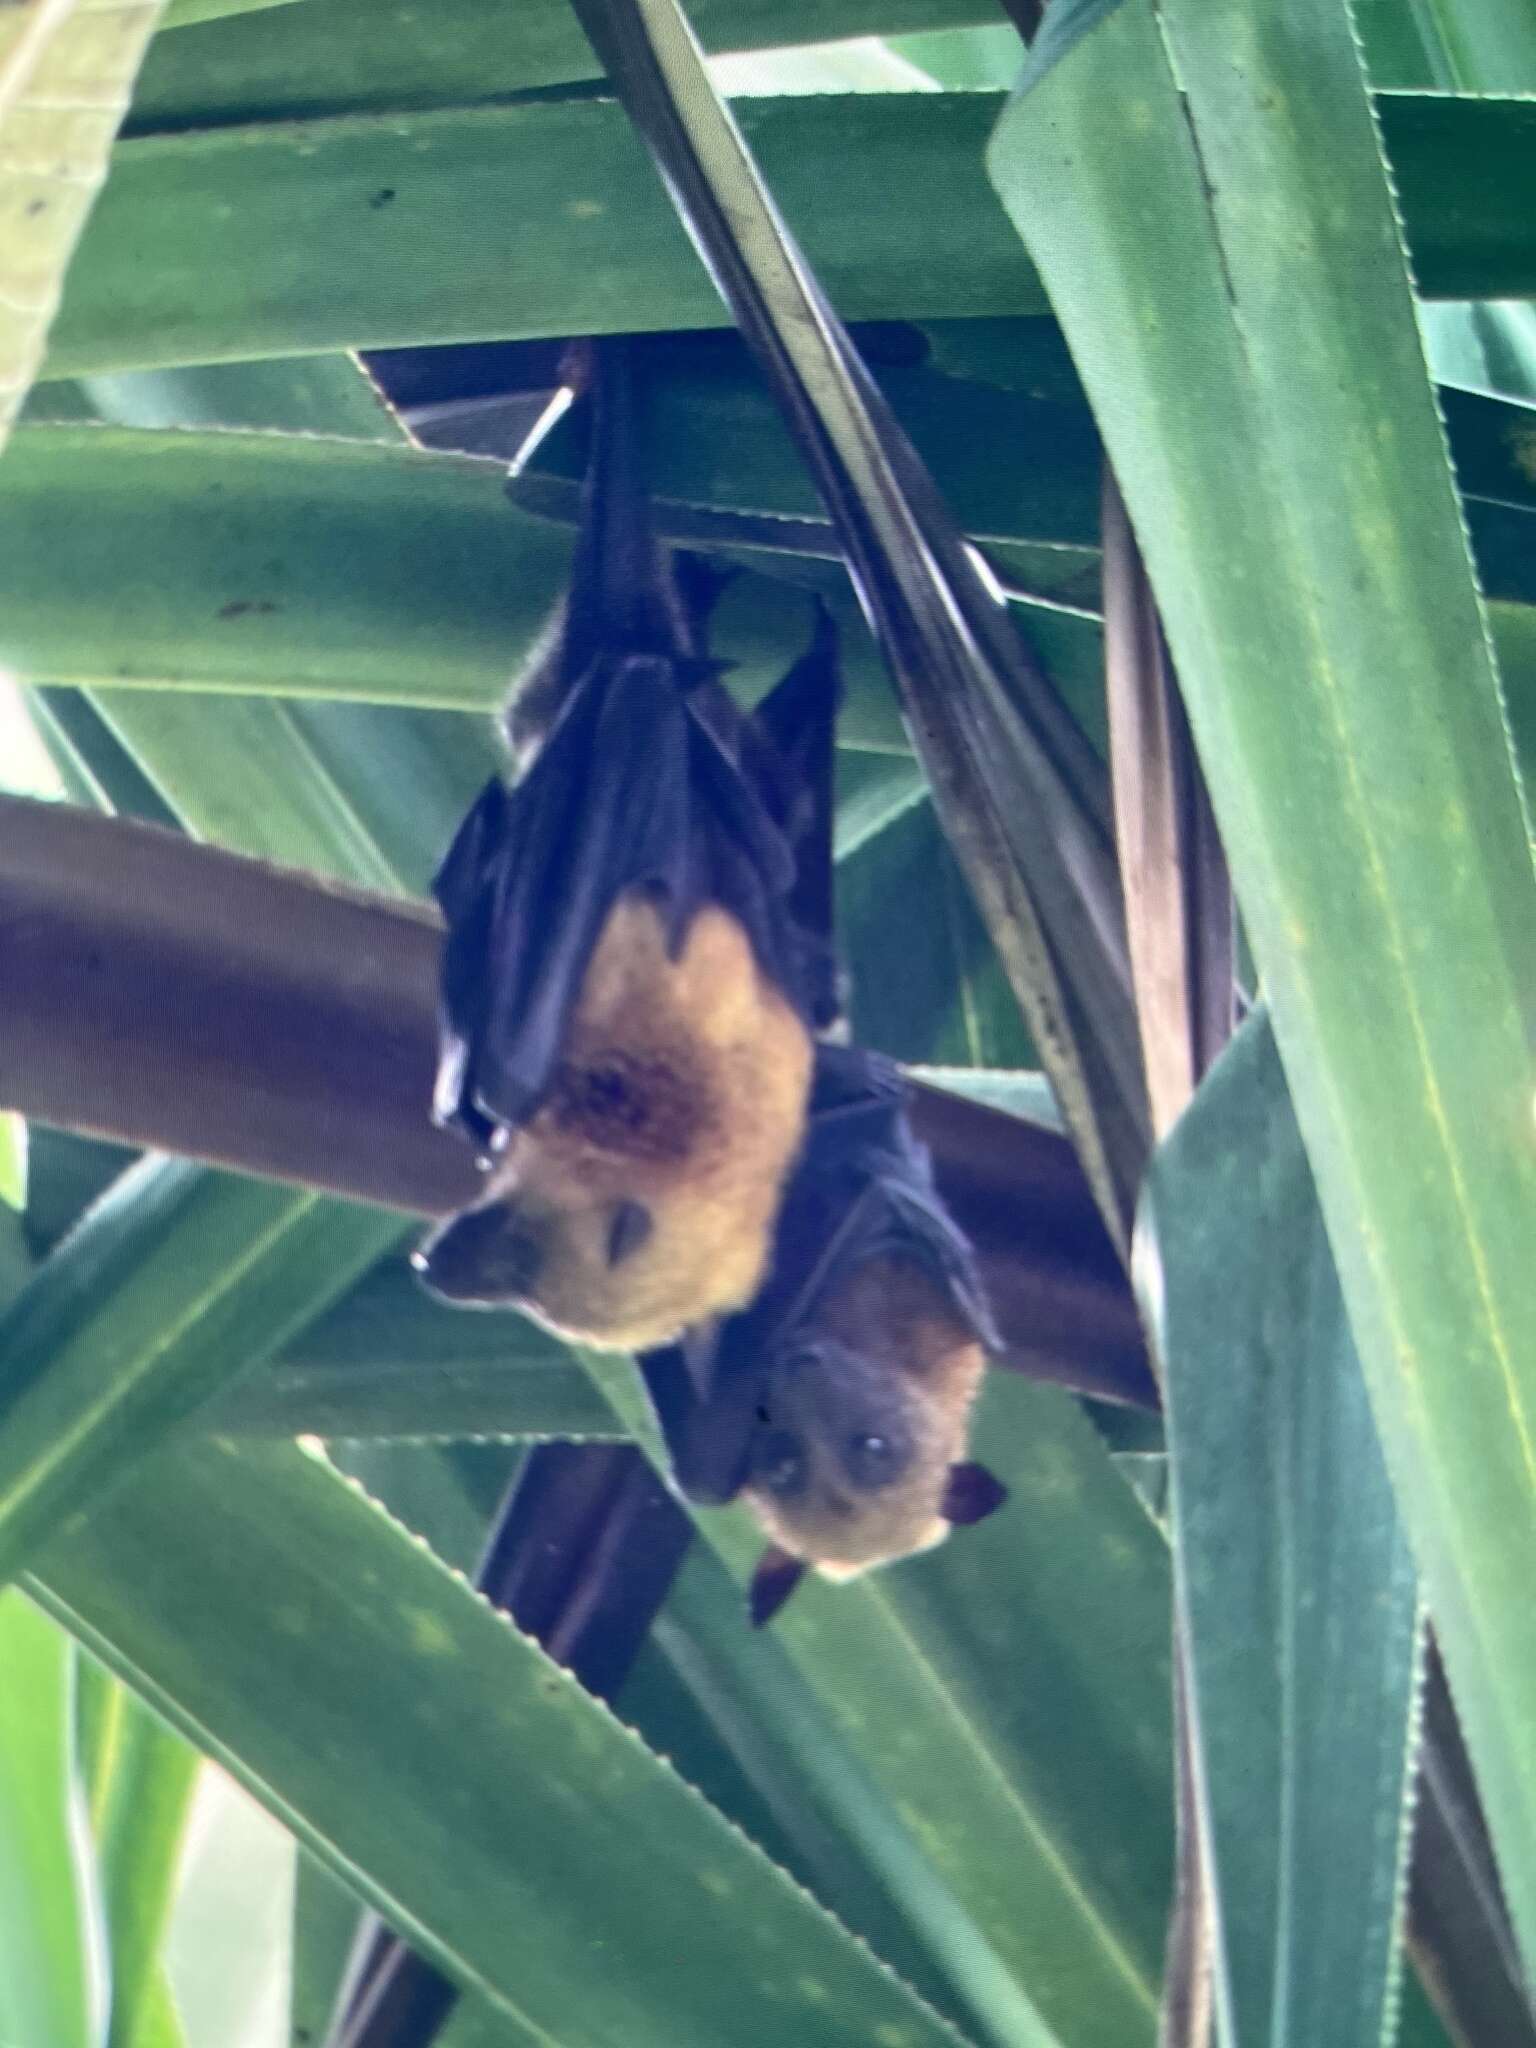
x: 35, y: 207
x: 239, y: 607
x: 382, y: 197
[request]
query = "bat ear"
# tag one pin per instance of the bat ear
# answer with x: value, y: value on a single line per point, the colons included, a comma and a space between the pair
x: 971, y: 1493
x: 776, y: 1577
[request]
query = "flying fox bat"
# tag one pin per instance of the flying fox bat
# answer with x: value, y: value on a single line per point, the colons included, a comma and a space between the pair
x: 837, y: 1405
x: 629, y: 984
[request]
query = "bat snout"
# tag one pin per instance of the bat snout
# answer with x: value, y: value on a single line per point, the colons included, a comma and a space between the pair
x: 484, y: 1258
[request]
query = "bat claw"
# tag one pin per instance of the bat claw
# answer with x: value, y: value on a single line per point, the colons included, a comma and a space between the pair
x: 776, y: 1577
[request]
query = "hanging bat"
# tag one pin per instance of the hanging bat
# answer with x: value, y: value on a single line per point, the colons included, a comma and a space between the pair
x: 837, y: 1405
x: 628, y: 992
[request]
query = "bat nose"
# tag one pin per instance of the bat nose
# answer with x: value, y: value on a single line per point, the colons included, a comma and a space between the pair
x: 482, y: 1256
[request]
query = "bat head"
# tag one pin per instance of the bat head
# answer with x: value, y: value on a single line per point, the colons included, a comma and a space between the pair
x: 600, y: 1255
x: 640, y: 1198
x: 970, y: 1495
x: 594, y: 1264
x: 862, y: 1421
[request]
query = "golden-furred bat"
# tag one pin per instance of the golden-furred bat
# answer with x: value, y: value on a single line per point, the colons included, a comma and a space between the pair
x: 629, y: 987
x: 837, y: 1405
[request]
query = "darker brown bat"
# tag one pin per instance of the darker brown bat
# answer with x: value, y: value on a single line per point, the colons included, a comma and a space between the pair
x: 628, y: 989
x: 837, y: 1406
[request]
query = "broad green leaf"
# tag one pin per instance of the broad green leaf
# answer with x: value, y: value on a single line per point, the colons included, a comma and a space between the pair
x: 53, y: 1987
x: 292, y: 808
x: 144, y: 1789
x: 364, y: 795
x: 387, y: 1361
x: 441, y: 1401
x: 16, y: 1259
x: 329, y: 395
x: 630, y: 1913
x: 447, y: 1495
x: 864, y: 1846
x: 13, y: 1159
x: 336, y: 56
x: 1393, y: 46
x: 282, y: 564
x: 99, y: 772
x: 68, y: 1172
x: 1013, y: 467
x: 940, y: 995
x: 240, y: 561
x: 160, y: 2026
x: 1017, y: 469
x: 860, y: 64
x: 725, y: 470
x: 1460, y: 165
x: 325, y: 1919
x: 965, y: 59
x: 66, y: 68
x: 1305, y: 543
x: 157, y: 1296
x: 1299, y: 1592
x: 1029, y: 355
x: 181, y: 590
x: 843, y: 1834
x: 1481, y: 45
x: 192, y: 256
x: 1021, y: 1094
x: 183, y: 13
x: 1068, y: 21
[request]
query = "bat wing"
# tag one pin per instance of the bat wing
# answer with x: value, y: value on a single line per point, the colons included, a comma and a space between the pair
x: 797, y: 722
x: 534, y: 872
x: 708, y: 1434
x: 635, y: 788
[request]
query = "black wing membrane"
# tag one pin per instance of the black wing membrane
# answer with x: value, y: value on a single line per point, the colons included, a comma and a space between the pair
x: 985, y: 720
x: 531, y: 879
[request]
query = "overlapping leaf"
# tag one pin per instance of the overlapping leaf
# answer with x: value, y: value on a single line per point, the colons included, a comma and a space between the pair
x: 1296, y: 511
x: 66, y: 67
x: 467, y: 1739
x: 1295, y: 1577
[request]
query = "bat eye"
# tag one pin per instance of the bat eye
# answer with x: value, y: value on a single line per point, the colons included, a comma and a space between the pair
x: 872, y: 1460
x: 778, y: 1464
x: 631, y: 1227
